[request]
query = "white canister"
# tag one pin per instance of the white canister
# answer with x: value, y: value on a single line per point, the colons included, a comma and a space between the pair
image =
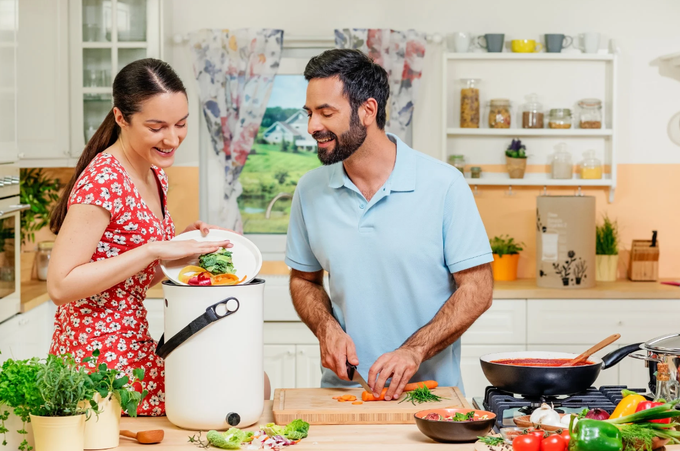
x: 214, y: 379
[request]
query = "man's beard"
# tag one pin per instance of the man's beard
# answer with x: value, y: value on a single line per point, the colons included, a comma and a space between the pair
x: 345, y: 145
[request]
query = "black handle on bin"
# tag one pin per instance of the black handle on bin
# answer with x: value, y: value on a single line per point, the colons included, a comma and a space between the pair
x: 210, y: 316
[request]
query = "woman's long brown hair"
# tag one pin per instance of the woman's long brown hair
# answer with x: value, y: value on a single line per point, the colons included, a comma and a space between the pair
x: 135, y: 83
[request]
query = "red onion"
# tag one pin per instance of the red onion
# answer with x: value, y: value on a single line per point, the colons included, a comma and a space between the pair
x: 597, y: 414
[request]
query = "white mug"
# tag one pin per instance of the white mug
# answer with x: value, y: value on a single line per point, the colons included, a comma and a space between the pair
x: 459, y: 42
x: 590, y: 42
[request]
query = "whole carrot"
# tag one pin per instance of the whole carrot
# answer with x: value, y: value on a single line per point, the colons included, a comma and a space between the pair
x: 368, y: 396
x: 429, y: 384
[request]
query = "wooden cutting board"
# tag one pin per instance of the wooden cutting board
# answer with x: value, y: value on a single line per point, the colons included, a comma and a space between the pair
x: 317, y: 406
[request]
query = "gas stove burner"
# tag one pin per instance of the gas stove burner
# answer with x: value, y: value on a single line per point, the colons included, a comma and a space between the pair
x: 507, y: 405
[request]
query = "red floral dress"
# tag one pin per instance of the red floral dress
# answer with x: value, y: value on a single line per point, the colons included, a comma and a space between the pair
x: 114, y: 321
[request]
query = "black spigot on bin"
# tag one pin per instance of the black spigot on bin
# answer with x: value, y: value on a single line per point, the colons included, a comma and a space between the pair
x: 233, y: 418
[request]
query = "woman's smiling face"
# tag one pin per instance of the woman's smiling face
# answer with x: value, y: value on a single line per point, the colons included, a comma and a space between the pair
x: 156, y: 131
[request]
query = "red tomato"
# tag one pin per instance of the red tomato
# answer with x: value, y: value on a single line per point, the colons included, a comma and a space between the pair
x: 566, y: 436
x: 540, y: 433
x: 528, y: 442
x: 553, y: 443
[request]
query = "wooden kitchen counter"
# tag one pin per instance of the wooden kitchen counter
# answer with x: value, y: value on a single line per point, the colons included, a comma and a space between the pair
x: 321, y: 437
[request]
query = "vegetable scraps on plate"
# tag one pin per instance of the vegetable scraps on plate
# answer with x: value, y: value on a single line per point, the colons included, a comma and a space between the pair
x: 215, y: 268
x: 269, y: 436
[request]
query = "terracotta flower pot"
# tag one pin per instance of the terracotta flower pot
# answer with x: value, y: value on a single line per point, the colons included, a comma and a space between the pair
x: 516, y: 167
x: 606, y: 267
x: 59, y: 433
x: 505, y: 267
x: 102, y: 432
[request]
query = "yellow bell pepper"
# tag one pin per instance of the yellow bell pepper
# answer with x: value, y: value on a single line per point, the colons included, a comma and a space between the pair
x: 628, y: 404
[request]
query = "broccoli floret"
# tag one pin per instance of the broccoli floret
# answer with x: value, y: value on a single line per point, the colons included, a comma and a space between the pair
x: 231, y: 439
x: 218, y: 262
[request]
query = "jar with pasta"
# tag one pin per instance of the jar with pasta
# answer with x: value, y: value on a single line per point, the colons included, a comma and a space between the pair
x: 469, y: 103
x: 559, y: 118
x: 499, y: 113
x: 590, y: 112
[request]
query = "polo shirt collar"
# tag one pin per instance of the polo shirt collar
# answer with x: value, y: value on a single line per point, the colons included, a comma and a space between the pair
x: 402, y: 178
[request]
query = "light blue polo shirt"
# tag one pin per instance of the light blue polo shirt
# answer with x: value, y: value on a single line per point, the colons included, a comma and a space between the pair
x: 390, y: 259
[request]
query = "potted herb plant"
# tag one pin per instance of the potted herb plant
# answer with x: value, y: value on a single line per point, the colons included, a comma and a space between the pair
x: 505, y: 257
x: 18, y: 392
x: 606, y: 250
x: 516, y: 159
x: 112, y: 392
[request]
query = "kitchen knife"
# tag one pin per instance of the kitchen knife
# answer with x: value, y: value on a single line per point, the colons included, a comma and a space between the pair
x: 354, y: 375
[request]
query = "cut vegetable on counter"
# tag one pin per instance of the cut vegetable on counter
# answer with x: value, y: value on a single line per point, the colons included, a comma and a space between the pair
x: 269, y: 436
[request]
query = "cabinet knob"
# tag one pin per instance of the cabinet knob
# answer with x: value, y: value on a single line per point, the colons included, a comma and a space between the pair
x: 67, y: 153
x: 620, y: 323
x: 301, y: 352
x: 290, y: 353
x: 23, y: 321
x: 21, y: 155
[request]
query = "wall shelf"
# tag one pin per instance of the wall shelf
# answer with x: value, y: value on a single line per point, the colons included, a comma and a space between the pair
x: 534, y: 179
x: 528, y: 132
x: 531, y: 56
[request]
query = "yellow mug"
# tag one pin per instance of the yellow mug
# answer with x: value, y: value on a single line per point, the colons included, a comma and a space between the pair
x: 526, y: 46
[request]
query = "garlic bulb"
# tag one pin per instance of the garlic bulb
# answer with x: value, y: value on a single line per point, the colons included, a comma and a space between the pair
x: 545, y: 415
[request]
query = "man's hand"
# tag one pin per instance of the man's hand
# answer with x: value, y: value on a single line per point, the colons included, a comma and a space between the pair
x: 337, y: 348
x: 400, y: 365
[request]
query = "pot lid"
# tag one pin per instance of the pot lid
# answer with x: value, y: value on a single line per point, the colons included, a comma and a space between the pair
x: 665, y: 344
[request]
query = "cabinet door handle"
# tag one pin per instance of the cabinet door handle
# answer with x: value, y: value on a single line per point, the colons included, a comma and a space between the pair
x: 302, y: 352
x: 23, y: 321
x: 290, y: 353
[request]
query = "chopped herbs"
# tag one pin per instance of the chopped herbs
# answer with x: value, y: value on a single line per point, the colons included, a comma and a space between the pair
x: 491, y: 441
x: 421, y: 395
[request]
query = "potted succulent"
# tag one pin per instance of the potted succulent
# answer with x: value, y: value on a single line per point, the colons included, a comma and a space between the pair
x: 606, y: 250
x: 505, y: 257
x: 55, y: 393
x: 516, y: 159
x: 113, y: 390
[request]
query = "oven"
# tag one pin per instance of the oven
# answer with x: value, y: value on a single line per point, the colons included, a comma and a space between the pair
x: 10, y: 241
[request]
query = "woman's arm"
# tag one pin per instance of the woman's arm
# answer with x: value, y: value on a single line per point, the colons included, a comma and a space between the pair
x: 71, y: 275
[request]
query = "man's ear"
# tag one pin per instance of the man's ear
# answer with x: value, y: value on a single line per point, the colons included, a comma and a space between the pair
x: 370, y: 112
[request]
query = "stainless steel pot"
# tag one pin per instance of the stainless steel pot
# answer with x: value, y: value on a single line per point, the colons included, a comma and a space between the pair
x: 663, y: 349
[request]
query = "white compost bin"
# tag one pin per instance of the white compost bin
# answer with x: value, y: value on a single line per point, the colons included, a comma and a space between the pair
x: 213, y: 346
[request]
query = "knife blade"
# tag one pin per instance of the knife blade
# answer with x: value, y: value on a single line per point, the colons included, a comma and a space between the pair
x: 354, y: 375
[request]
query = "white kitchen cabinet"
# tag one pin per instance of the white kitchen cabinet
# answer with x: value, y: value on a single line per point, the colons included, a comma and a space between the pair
x: 307, y: 366
x: 471, y: 372
x: 27, y: 335
x: 9, y: 10
x: 280, y: 366
x: 503, y: 323
x: 43, y: 87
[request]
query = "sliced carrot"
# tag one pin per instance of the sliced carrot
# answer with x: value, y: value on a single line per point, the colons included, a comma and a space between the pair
x: 368, y: 396
x: 356, y: 403
x: 341, y: 400
x: 226, y: 279
x: 429, y: 384
x: 336, y: 397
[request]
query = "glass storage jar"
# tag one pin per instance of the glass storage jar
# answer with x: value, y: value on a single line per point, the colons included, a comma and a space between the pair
x: 559, y: 118
x: 532, y: 112
x: 561, y: 166
x: 499, y: 113
x: 591, y: 167
x: 590, y: 112
x: 458, y: 162
x: 469, y: 103
x: 42, y: 258
x: 475, y: 172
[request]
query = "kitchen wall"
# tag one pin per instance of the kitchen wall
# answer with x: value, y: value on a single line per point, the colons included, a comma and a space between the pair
x: 649, y: 93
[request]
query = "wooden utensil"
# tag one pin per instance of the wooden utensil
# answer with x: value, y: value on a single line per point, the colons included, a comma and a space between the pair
x: 606, y: 342
x: 145, y: 437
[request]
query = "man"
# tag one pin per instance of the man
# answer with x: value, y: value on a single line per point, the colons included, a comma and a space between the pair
x: 398, y: 232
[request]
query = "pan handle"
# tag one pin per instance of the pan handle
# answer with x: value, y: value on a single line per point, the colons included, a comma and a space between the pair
x: 646, y: 358
x: 617, y: 355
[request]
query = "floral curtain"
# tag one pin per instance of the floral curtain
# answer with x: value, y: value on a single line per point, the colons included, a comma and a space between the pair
x: 401, y: 54
x: 235, y: 71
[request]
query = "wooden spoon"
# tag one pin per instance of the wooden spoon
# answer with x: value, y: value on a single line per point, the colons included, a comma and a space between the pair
x: 145, y: 437
x: 606, y: 342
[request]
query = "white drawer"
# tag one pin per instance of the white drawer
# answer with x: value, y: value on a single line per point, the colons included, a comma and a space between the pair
x: 578, y: 321
x: 504, y: 322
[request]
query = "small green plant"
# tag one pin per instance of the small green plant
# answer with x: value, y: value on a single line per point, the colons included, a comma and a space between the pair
x: 63, y: 386
x: 107, y: 382
x: 607, y: 237
x: 504, y: 245
x: 516, y: 149
x: 40, y: 192
x: 18, y: 391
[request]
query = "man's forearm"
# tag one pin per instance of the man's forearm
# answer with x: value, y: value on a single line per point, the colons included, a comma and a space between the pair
x: 464, y: 306
x: 312, y: 304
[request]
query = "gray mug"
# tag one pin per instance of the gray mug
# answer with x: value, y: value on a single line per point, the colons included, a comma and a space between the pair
x: 492, y: 42
x: 555, y: 42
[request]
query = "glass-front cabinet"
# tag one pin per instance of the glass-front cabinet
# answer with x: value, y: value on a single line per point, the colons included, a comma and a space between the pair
x: 8, y: 96
x: 106, y: 35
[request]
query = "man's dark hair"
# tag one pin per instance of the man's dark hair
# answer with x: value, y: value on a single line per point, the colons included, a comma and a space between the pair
x: 362, y: 78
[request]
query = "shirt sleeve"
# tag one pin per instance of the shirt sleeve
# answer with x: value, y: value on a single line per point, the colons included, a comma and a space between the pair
x: 102, y: 186
x: 466, y: 243
x: 299, y: 254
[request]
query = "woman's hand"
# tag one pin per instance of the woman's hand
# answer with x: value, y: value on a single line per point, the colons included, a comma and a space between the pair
x: 203, y: 227
x: 174, y: 250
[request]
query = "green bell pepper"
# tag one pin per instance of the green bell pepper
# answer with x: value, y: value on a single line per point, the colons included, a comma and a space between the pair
x: 595, y: 435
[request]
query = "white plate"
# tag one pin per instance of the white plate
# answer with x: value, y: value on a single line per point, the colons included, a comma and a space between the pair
x: 246, y: 257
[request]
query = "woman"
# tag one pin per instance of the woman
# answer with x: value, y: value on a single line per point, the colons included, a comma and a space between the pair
x: 113, y: 228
